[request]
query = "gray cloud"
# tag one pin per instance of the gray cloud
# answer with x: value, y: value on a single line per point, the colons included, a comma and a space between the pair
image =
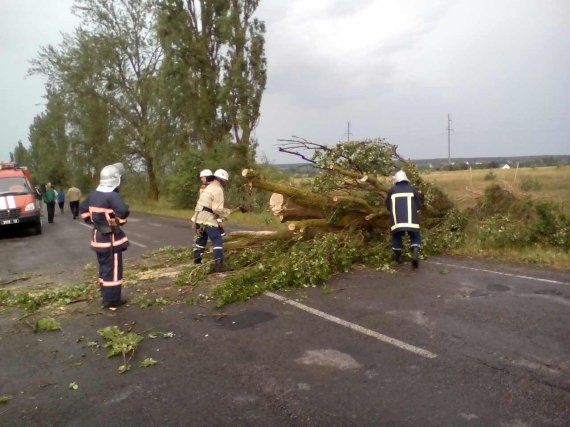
x: 393, y: 69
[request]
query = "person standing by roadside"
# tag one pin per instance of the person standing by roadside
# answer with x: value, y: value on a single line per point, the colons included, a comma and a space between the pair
x: 403, y: 202
x: 106, y: 210
x: 207, y: 176
x: 211, y: 205
x: 61, y: 199
x: 73, y: 196
x: 49, y: 199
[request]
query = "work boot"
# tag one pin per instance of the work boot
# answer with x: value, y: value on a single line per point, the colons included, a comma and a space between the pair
x: 197, y: 257
x: 415, y: 256
x: 113, y: 305
x: 397, y: 255
x: 221, y: 267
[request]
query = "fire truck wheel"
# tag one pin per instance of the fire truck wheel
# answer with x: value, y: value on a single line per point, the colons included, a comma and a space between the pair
x: 37, y: 228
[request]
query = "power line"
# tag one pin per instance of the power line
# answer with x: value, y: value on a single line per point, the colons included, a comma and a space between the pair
x: 448, y: 139
x: 348, y: 132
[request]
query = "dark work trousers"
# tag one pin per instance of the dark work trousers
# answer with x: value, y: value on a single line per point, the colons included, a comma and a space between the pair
x: 61, y: 204
x: 110, y: 275
x: 415, y: 238
x: 212, y: 232
x: 50, y: 210
x: 74, y: 208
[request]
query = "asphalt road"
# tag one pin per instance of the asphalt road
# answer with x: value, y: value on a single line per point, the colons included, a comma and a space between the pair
x: 455, y: 343
x: 63, y: 247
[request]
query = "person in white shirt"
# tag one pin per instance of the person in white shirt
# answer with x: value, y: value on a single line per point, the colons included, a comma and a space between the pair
x: 209, y: 208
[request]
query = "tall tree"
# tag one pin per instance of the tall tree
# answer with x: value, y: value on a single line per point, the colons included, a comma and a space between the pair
x: 214, y: 51
x: 245, y: 68
x: 110, y: 66
x: 21, y: 155
x: 49, y: 142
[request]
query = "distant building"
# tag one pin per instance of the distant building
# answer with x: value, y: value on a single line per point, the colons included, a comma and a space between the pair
x: 505, y: 166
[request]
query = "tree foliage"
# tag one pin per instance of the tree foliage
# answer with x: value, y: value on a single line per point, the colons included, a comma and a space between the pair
x: 214, y: 55
x: 120, y: 98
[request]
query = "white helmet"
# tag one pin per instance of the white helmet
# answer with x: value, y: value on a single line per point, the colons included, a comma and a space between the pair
x: 110, y: 177
x: 206, y: 172
x: 400, y: 176
x: 222, y: 174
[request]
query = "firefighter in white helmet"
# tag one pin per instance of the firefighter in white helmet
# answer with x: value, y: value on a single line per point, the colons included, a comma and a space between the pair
x: 206, y: 176
x: 106, y: 210
x: 209, y: 208
x: 403, y: 202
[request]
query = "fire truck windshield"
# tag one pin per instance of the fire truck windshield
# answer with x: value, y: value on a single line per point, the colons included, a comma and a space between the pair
x: 14, y: 186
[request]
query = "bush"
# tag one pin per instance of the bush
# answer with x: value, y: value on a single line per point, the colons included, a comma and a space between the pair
x: 526, y: 224
x: 448, y: 234
x: 530, y: 184
x: 184, y: 182
x: 490, y: 176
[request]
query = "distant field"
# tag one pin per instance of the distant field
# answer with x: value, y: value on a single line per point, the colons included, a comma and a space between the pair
x: 542, y: 183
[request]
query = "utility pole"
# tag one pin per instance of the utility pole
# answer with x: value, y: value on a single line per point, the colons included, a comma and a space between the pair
x: 348, y: 133
x: 449, y: 130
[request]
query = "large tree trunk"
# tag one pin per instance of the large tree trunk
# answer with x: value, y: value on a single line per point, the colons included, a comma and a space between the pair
x: 287, y: 210
x: 153, y: 191
x: 308, y: 212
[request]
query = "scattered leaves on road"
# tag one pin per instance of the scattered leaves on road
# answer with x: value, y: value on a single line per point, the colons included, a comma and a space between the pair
x: 46, y: 324
x: 149, y: 361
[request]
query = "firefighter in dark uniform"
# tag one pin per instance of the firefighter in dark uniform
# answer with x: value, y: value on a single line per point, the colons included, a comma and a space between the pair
x: 403, y: 202
x: 106, y: 210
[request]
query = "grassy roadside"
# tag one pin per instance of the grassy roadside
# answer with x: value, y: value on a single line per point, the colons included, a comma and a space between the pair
x: 465, y: 188
x: 547, y: 184
x: 263, y: 219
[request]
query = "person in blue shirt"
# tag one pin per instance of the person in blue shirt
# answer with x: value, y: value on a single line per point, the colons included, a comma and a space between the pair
x: 61, y: 199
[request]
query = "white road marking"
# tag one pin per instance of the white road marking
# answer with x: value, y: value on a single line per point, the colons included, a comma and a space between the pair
x: 538, y: 279
x: 381, y: 337
x: 132, y: 241
x: 140, y: 245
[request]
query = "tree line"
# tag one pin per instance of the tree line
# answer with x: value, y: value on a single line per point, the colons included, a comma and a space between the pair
x: 165, y: 86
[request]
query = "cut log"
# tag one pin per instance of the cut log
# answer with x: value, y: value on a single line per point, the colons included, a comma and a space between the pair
x: 302, y: 198
x: 247, y: 239
x: 288, y: 210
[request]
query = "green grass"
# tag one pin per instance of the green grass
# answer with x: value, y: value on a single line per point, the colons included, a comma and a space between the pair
x: 464, y: 188
x: 549, y: 183
x: 263, y: 219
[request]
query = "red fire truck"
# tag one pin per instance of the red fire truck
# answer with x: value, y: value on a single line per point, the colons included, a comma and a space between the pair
x: 19, y: 202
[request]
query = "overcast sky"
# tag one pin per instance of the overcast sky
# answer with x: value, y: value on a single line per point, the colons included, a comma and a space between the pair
x: 500, y: 68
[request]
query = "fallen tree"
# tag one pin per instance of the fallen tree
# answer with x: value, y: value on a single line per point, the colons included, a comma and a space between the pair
x: 349, y: 189
x: 337, y: 221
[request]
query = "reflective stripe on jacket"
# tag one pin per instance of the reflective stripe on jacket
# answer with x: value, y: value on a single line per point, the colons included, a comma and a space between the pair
x: 403, y: 202
x: 212, y: 197
x: 98, y: 209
